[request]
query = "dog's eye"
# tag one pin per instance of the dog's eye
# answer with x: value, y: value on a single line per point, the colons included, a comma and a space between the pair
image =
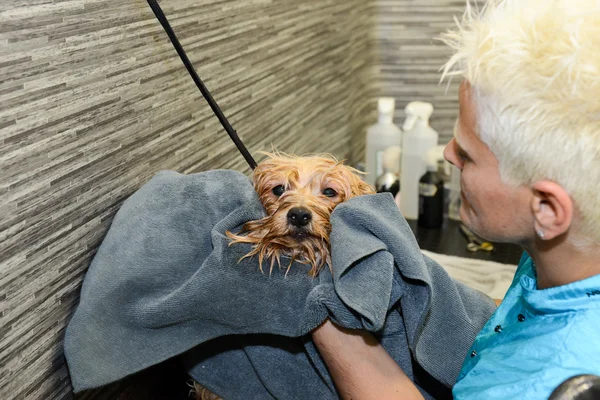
x: 329, y: 192
x: 278, y: 190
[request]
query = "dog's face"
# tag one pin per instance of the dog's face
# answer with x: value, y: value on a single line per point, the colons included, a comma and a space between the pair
x: 299, y: 194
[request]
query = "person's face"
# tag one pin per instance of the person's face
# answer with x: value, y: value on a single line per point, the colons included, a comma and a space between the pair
x: 491, y: 208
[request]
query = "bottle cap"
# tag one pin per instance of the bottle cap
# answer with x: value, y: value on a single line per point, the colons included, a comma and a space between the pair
x: 391, y: 159
x: 386, y: 105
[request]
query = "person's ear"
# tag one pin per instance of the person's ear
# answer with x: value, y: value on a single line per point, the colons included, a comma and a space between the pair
x: 552, y: 209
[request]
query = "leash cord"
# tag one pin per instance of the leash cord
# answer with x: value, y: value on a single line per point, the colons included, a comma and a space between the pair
x: 211, y: 102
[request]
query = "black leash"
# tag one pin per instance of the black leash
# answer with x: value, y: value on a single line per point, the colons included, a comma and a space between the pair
x: 211, y: 102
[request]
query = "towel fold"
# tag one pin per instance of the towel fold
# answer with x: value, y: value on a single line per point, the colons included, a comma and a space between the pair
x: 165, y: 282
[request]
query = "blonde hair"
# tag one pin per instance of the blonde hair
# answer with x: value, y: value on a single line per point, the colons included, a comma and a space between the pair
x: 534, y: 69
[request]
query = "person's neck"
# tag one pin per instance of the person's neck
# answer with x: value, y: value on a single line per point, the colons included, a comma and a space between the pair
x: 558, y: 262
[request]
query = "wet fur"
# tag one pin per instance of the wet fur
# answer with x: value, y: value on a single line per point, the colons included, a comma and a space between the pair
x: 304, y: 178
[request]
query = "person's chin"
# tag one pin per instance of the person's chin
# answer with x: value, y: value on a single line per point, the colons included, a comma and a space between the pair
x: 464, y: 215
x: 478, y: 227
x: 468, y: 218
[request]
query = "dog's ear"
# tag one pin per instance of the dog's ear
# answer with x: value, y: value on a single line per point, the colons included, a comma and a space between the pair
x: 358, y: 186
x: 259, y: 176
x: 263, y: 177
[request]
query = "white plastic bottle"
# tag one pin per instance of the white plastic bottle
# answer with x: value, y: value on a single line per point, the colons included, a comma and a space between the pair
x: 380, y: 136
x: 418, y: 139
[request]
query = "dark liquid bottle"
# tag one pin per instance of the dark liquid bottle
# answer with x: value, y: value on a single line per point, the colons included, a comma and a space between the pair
x: 431, y: 200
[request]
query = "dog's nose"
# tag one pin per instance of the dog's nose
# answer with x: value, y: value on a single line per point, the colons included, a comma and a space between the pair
x: 299, y: 216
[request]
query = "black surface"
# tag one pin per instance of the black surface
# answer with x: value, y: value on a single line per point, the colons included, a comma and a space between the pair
x: 449, y: 240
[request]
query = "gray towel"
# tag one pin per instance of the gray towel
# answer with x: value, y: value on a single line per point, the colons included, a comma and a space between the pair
x: 165, y: 283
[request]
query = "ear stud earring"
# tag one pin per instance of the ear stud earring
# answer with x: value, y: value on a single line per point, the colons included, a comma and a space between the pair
x: 540, y: 233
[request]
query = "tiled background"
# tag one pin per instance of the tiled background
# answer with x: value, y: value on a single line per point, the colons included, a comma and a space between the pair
x: 94, y: 101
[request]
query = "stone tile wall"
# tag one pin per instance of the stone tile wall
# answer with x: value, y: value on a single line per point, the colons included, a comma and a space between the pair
x: 94, y: 100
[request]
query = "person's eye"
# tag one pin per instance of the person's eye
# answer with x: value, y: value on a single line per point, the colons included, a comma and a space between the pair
x: 329, y: 192
x: 278, y: 190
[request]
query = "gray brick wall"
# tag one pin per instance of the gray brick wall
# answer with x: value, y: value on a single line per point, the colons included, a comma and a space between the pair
x: 94, y: 100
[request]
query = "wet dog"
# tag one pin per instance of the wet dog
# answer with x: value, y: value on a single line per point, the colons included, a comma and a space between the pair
x: 298, y: 194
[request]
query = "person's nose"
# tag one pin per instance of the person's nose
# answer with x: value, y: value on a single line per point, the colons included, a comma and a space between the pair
x: 451, y: 155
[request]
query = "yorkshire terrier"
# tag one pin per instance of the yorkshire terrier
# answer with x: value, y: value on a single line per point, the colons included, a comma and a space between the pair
x: 298, y: 194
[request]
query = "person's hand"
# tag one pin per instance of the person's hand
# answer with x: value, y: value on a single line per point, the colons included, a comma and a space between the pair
x: 360, y: 367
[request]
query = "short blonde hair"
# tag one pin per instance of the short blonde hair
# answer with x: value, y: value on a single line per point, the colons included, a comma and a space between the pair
x: 534, y: 68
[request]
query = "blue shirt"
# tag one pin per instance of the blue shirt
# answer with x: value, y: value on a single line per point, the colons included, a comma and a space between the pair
x: 534, y: 341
